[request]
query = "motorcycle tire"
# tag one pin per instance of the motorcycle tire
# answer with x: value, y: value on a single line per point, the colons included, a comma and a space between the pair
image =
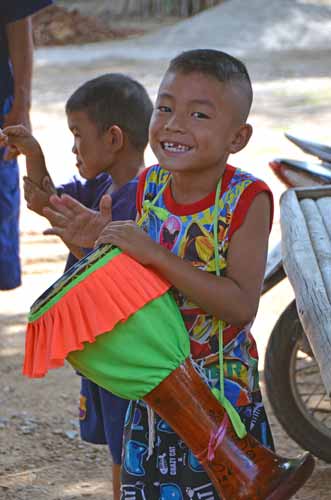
x: 285, y: 384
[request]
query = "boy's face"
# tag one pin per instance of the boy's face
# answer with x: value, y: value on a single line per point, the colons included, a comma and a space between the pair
x: 195, y: 124
x: 90, y: 146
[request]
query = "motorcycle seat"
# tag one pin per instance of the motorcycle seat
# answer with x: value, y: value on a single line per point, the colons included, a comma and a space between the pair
x: 321, y: 171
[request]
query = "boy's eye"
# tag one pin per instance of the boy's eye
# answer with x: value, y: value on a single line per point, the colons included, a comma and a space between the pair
x: 199, y: 114
x: 164, y: 109
x: 74, y: 131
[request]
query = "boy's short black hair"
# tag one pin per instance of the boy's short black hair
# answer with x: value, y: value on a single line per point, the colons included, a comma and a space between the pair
x: 115, y: 99
x: 214, y: 63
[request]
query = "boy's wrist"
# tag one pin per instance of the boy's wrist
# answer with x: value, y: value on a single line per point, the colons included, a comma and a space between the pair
x: 158, y: 255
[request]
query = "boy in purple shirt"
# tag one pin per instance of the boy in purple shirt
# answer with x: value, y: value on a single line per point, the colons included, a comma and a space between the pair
x: 109, y: 118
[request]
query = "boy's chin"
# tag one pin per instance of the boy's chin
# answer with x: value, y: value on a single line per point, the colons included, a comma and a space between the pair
x: 83, y: 172
x: 85, y: 175
x: 173, y: 166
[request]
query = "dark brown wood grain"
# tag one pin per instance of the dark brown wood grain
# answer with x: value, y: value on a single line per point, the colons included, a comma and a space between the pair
x: 242, y: 469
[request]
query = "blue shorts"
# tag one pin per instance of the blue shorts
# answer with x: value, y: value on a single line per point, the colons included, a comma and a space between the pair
x: 101, y: 417
x: 10, y: 267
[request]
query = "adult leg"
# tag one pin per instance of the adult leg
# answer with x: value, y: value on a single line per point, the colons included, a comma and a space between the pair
x: 10, y: 269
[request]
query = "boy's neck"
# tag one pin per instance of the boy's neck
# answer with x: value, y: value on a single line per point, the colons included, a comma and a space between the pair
x: 126, y: 169
x: 189, y: 188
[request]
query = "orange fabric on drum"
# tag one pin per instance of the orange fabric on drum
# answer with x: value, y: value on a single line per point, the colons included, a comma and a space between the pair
x: 109, y: 295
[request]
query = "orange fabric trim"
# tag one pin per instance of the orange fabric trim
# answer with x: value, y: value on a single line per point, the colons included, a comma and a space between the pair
x: 107, y: 296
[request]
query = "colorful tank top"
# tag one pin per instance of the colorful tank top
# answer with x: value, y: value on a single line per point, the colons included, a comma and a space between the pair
x: 187, y: 231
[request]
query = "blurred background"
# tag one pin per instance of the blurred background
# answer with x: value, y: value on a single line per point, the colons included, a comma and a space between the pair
x: 286, y: 45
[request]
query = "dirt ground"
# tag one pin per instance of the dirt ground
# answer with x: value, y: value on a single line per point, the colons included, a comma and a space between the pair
x: 41, y: 455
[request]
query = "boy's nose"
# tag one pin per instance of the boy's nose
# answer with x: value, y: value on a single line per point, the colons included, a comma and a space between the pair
x: 74, y: 149
x: 174, y: 124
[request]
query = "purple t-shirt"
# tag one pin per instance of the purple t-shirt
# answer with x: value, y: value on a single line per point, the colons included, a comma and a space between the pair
x: 89, y: 193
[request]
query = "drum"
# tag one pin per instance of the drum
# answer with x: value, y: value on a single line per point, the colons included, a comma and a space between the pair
x: 113, y: 320
x: 117, y: 323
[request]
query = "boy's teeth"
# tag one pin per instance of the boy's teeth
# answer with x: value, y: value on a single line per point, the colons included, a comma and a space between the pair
x: 175, y: 148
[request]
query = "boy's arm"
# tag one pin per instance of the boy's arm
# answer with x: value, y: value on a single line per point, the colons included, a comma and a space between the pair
x: 234, y: 297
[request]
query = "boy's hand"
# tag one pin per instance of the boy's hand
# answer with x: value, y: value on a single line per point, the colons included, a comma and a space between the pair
x: 17, y: 139
x: 36, y: 197
x: 131, y: 239
x: 74, y: 223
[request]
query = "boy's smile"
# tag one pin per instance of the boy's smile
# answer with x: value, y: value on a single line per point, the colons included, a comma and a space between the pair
x: 196, y: 123
x: 175, y: 147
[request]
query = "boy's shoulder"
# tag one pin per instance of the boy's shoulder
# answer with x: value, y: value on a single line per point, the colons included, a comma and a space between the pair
x: 238, y: 181
x: 86, y: 191
x: 154, y: 177
x: 154, y: 173
x: 237, y: 175
x: 151, y: 181
x: 239, y: 193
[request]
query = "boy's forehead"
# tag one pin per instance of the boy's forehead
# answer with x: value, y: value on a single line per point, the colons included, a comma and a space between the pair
x: 190, y: 80
x: 191, y: 84
x: 77, y: 118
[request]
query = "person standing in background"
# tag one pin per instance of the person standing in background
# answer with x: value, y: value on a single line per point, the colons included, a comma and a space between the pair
x: 16, y: 56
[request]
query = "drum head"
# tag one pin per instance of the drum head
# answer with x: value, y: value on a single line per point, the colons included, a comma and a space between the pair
x: 90, y: 262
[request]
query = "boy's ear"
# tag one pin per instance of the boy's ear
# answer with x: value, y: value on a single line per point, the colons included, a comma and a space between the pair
x: 115, y: 137
x: 241, y: 138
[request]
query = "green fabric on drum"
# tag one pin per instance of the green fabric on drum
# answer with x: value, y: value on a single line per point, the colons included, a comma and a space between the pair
x: 137, y: 355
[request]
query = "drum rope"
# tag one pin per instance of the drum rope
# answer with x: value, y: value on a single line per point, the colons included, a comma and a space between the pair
x: 233, y: 415
x: 151, y: 431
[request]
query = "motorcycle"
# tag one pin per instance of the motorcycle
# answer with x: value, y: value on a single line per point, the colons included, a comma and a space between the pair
x: 292, y: 376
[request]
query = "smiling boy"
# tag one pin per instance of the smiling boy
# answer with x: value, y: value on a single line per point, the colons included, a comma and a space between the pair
x: 206, y: 232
